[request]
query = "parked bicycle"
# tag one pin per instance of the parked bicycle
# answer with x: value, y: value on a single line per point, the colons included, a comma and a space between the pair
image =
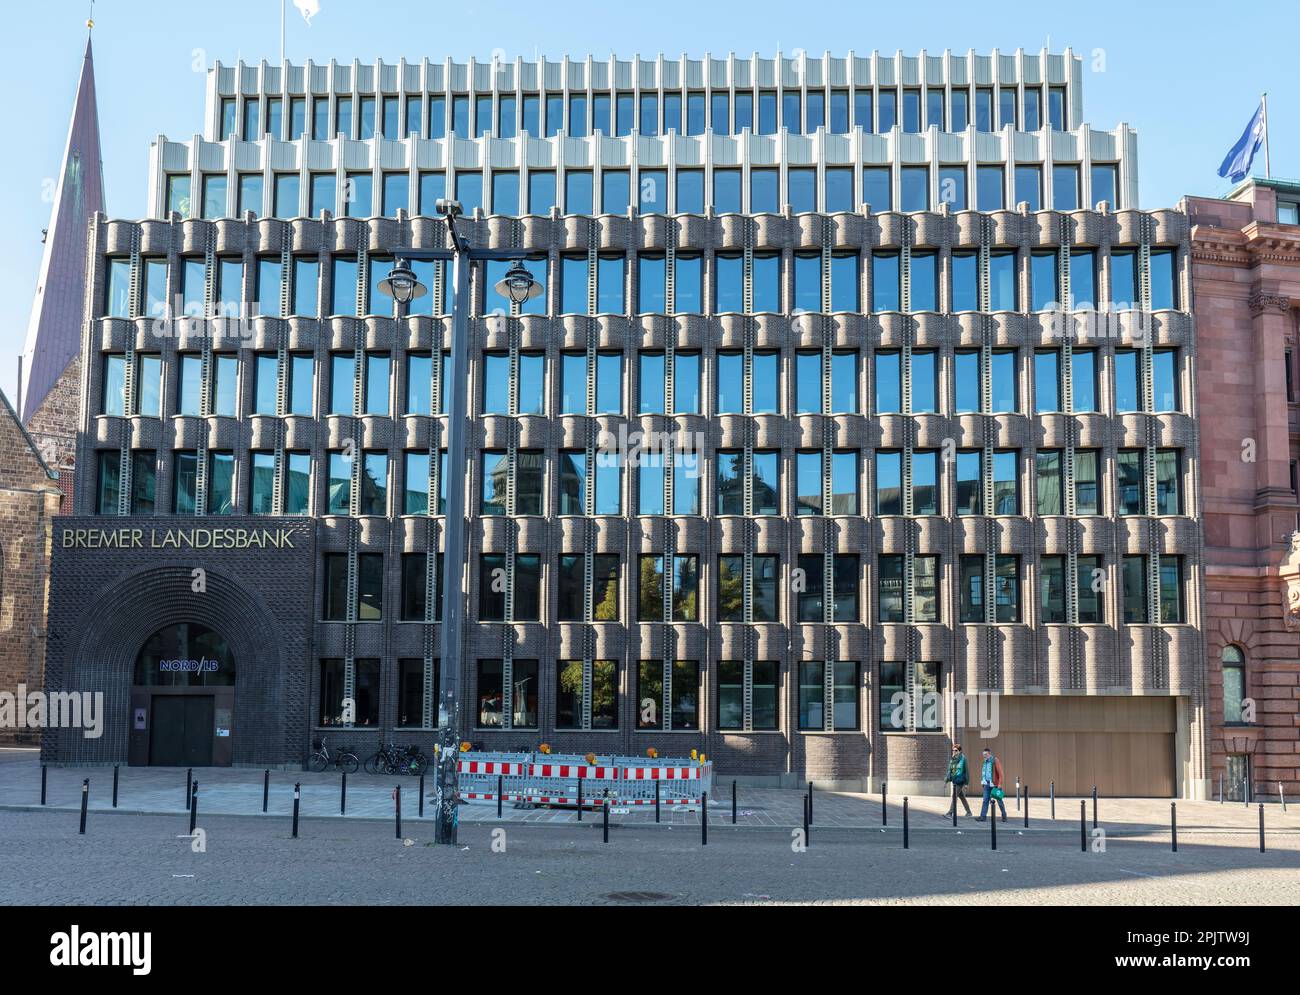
x: 391, y: 759
x: 324, y: 757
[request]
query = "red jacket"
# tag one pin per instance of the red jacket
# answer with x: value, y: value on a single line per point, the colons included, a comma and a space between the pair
x: 997, y: 773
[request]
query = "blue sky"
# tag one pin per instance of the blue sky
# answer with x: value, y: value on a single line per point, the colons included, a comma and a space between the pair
x: 1186, y: 75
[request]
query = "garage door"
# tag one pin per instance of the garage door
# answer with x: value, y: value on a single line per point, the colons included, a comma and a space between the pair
x: 1124, y: 746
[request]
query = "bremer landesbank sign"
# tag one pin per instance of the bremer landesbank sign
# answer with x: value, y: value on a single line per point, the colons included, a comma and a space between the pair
x: 188, y: 538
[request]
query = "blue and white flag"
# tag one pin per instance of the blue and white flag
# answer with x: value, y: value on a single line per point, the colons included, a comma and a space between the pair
x: 1236, y: 164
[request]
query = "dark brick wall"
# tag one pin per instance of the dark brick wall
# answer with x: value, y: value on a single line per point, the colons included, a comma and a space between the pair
x: 106, y: 602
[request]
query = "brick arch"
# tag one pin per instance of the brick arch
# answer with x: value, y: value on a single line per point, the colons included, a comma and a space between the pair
x: 1241, y: 632
x: 114, y: 627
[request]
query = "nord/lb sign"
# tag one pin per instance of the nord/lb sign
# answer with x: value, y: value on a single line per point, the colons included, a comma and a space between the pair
x: 196, y: 538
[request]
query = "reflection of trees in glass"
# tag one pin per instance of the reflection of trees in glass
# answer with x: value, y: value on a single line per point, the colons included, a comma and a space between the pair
x: 650, y: 589
x: 570, y: 683
x: 604, y: 596
x: 685, y: 588
x: 731, y: 588
x: 604, y: 694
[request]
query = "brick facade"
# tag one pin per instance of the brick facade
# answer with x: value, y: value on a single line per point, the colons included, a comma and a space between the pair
x: 1246, y: 282
x: 29, y: 498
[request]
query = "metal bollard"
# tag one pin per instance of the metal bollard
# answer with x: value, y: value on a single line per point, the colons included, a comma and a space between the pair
x: 1261, y: 827
x: 1052, y: 793
x: 656, y: 799
x: 806, y: 840
x: 1220, y: 789
x: 605, y: 809
x: 733, y: 801
x: 905, y: 822
x: 1094, y: 806
x: 297, y: 795
x: 194, y: 807
x: 704, y: 819
x: 1173, y: 826
x: 397, y: 797
x: 579, y: 799
x: 993, y: 824
x: 343, y: 795
x: 500, y: 790
x: 1017, y: 794
x: 115, y: 785
x: 44, y: 772
x: 266, y: 788
x: 189, y: 787
x: 1281, y: 794
x: 421, y: 807
x: 884, y: 803
x: 810, y: 808
x: 1245, y: 792
x: 954, y: 805
x: 85, y: 800
x: 1083, y: 826
x: 1025, y: 789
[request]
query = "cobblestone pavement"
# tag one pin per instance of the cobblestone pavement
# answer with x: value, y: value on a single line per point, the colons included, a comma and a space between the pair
x: 150, y: 859
x: 238, y: 791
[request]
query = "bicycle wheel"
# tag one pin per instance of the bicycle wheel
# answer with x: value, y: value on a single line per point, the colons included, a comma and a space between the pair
x: 317, y: 763
x: 377, y: 763
x: 419, y: 764
x: 349, y: 762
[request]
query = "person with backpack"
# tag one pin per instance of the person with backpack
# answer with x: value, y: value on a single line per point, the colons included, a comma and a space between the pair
x: 991, y: 782
x: 958, y: 777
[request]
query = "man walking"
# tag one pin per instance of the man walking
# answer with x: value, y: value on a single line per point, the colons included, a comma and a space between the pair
x: 991, y: 782
x: 958, y: 777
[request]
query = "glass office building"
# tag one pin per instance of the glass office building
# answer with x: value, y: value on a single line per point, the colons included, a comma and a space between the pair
x: 859, y: 385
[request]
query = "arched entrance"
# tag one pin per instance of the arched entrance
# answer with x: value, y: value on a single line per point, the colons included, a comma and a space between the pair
x: 183, y: 698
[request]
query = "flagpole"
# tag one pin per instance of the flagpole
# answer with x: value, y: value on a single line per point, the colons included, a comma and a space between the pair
x: 1268, y: 167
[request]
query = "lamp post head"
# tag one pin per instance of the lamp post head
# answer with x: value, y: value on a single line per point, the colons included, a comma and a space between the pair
x: 401, y: 283
x: 518, y: 285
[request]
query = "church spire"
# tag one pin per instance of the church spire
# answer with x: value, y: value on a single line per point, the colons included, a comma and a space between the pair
x: 54, y: 330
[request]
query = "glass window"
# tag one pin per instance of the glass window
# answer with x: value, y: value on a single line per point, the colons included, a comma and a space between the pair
x: 1083, y: 379
x: 690, y: 191
x: 1133, y: 571
x: 651, y: 298
x: 888, y: 483
x: 1090, y: 581
x: 877, y: 191
x: 1033, y: 119
x: 969, y: 489
x: 214, y: 196
x: 952, y: 187
x: 1043, y: 280
x: 925, y: 382
x: 189, y: 384
x: 1234, y: 684
x: 1164, y: 374
x: 885, y: 293
x: 343, y: 374
x: 250, y: 194
x: 178, y: 195
x: 890, y: 588
x: 1003, y: 295
x: 615, y: 191
x: 1047, y: 381
x: 1105, y: 184
x: 1164, y: 280
x: 924, y: 281
x: 765, y: 381
x: 578, y: 194
x: 925, y: 482
x: 844, y: 483
x: 1051, y: 573
x: 989, y: 187
x: 1086, y: 492
x: 1083, y: 279
x: 726, y: 191
x: 801, y: 189
x: 812, y: 699
x: 959, y: 110
x: 983, y: 110
x: 839, y: 189
x: 1128, y: 464
x: 1056, y: 107
x: 221, y: 483
x: 1168, y: 477
x: 225, y: 395
x: 764, y: 191
x: 1006, y: 482
x: 1050, y: 496
x: 767, y: 283
x: 652, y: 191
x: 915, y: 188
x: 1126, y: 380
x: 1065, y: 188
x: 1029, y: 186
x: 888, y: 377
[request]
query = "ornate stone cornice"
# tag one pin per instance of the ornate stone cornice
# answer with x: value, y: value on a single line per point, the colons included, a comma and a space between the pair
x: 1256, y: 243
x: 1261, y: 301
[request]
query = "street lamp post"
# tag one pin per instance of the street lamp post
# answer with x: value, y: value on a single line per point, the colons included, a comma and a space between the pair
x: 518, y: 285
